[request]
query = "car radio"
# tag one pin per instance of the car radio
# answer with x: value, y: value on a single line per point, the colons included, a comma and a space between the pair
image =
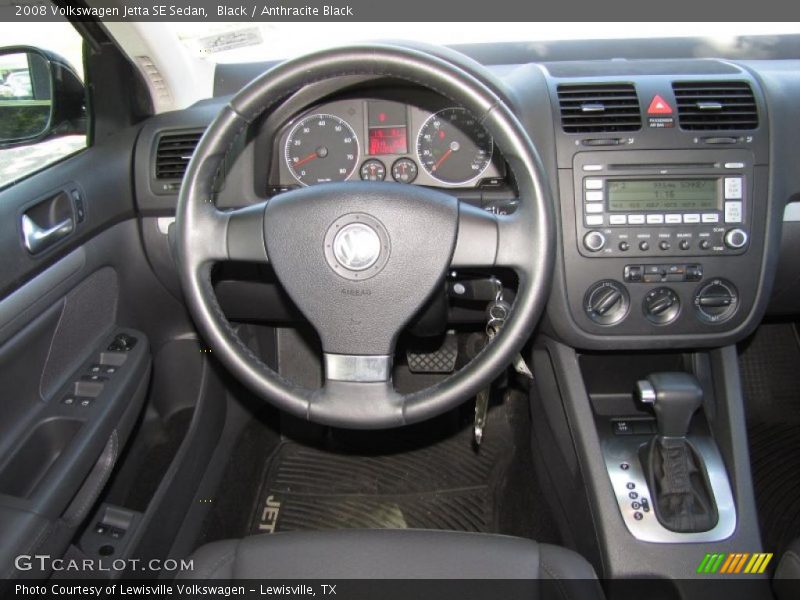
x: 694, y: 208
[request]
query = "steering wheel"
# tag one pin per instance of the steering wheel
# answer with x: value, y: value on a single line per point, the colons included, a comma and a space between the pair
x: 359, y: 259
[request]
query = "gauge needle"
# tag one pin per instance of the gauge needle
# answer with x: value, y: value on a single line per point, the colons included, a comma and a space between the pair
x: 308, y: 158
x: 444, y: 157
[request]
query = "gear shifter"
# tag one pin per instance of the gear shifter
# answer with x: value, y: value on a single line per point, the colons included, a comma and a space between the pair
x: 675, y: 471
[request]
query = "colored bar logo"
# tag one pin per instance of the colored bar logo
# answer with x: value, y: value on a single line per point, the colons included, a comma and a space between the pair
x: 734, y: 563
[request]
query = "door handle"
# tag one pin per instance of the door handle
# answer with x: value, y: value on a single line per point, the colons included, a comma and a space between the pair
x: 37, y: 238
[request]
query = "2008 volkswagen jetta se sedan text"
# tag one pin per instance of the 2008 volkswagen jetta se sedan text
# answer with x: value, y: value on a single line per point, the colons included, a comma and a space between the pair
x: 514, y: 316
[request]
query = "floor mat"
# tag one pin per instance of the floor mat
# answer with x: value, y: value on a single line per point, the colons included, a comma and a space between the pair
x: 410, y: 479
x: 770, y: 368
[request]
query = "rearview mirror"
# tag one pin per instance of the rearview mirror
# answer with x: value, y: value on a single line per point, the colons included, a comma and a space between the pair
x: 41, y: 96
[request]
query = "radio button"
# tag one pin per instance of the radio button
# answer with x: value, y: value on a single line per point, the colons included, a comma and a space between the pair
x: 655, y: 219
x: 594, y: 220
x: 733, y: 212
x: 691, y: 218
x: 593, y: 184
x: 617, y: 219
x: 734, y: 165
x: 710, y: 218
x: 672, y: 218
x: 592, y: 167
x: 594, y: 196
x: 636, y: 219
x: 594, y: 207
x: 733, y: 188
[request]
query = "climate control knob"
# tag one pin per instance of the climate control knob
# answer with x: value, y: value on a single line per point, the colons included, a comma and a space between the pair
x: 736, y: 238
x: 661, y: 305
x: 594, y: 241
x: 606, y: 302
x: 716, y: 301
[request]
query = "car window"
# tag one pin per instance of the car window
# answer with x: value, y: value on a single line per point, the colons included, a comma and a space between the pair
x: 24, y: 110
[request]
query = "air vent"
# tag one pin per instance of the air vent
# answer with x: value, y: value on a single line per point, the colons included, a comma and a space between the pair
x: 174, y: 152
x: 715, y: 105
x: 599, y: 107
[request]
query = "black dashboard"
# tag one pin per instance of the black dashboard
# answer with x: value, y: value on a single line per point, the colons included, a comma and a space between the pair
x: 669, y: 178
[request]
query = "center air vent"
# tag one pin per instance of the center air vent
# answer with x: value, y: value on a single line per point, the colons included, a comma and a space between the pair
x: 596, y: 107
x: 174, y: 152
x: 715, y: 105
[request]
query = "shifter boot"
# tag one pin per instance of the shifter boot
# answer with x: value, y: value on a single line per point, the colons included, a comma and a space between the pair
x: 679, y: 485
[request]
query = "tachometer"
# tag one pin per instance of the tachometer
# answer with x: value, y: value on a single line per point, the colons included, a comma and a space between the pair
x: 321, y: 148
x: 453, y: 147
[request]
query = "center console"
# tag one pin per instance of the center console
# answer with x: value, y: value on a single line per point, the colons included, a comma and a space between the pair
x: 598, y: 442
x: 663, y: 217
x: 666, y: 253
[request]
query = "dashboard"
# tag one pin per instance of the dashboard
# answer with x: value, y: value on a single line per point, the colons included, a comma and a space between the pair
x: 378, y: 139
x: 669, y: 180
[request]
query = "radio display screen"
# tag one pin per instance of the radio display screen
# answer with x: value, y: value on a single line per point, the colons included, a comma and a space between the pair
x: 628, y: 195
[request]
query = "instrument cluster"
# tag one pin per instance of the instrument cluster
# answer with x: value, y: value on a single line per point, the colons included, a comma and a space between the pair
x: 387, y: 140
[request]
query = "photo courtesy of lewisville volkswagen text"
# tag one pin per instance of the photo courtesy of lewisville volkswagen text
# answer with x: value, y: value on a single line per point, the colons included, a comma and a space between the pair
x: 424, y: 300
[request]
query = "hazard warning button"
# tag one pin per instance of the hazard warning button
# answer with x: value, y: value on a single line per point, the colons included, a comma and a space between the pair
x: 659, y: 106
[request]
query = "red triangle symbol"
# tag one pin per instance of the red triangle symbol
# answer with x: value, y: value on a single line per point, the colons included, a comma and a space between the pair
x: 659, y: 106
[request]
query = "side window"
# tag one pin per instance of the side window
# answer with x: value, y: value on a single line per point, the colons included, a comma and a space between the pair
x: 42, y: 99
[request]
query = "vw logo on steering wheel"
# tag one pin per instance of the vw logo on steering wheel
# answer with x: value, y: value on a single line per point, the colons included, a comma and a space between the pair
x: 357, y: 247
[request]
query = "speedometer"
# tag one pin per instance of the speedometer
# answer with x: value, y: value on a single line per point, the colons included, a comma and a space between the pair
x: 321, y: 148
x: 453, y: 147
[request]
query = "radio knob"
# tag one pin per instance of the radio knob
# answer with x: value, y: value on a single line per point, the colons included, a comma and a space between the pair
x: 594, y: 241
x: 736, y: 238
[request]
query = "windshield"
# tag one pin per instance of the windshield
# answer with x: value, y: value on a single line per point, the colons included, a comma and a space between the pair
x: 254, y: 42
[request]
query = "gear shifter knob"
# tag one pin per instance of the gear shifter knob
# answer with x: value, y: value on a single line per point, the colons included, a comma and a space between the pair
x: 675, y: 398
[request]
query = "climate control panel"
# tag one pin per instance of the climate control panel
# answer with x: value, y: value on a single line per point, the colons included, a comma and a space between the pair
x: 608, y: 302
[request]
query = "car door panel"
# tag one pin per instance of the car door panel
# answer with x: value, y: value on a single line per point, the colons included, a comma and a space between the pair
x: 102, y: 173
x: 61, y: 309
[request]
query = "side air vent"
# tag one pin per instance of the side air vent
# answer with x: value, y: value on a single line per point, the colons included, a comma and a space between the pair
x: 599, y: 107
x: 173, y: 153
x: 714, y: 105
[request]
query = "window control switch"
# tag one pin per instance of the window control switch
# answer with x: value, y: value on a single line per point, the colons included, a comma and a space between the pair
x: 122, y: 343
x: 74, y: 400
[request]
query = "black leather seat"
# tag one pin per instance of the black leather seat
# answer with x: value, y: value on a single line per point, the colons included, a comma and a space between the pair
x: 399, y: 554
x: 786, y: 582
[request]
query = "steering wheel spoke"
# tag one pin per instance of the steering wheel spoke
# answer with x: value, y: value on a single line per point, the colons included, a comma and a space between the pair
x: 486, y: 239
x: 245, y: 234
x: 348, y: 403
x: 358, y: 368
x: 236, y: 234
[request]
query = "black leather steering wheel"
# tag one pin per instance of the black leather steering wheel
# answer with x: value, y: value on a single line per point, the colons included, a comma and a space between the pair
x: 359, y: 259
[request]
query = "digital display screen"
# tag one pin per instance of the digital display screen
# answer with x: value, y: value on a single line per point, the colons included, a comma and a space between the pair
x: 387, y: 122
x: 629, y: 195
x: 388, y: 140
